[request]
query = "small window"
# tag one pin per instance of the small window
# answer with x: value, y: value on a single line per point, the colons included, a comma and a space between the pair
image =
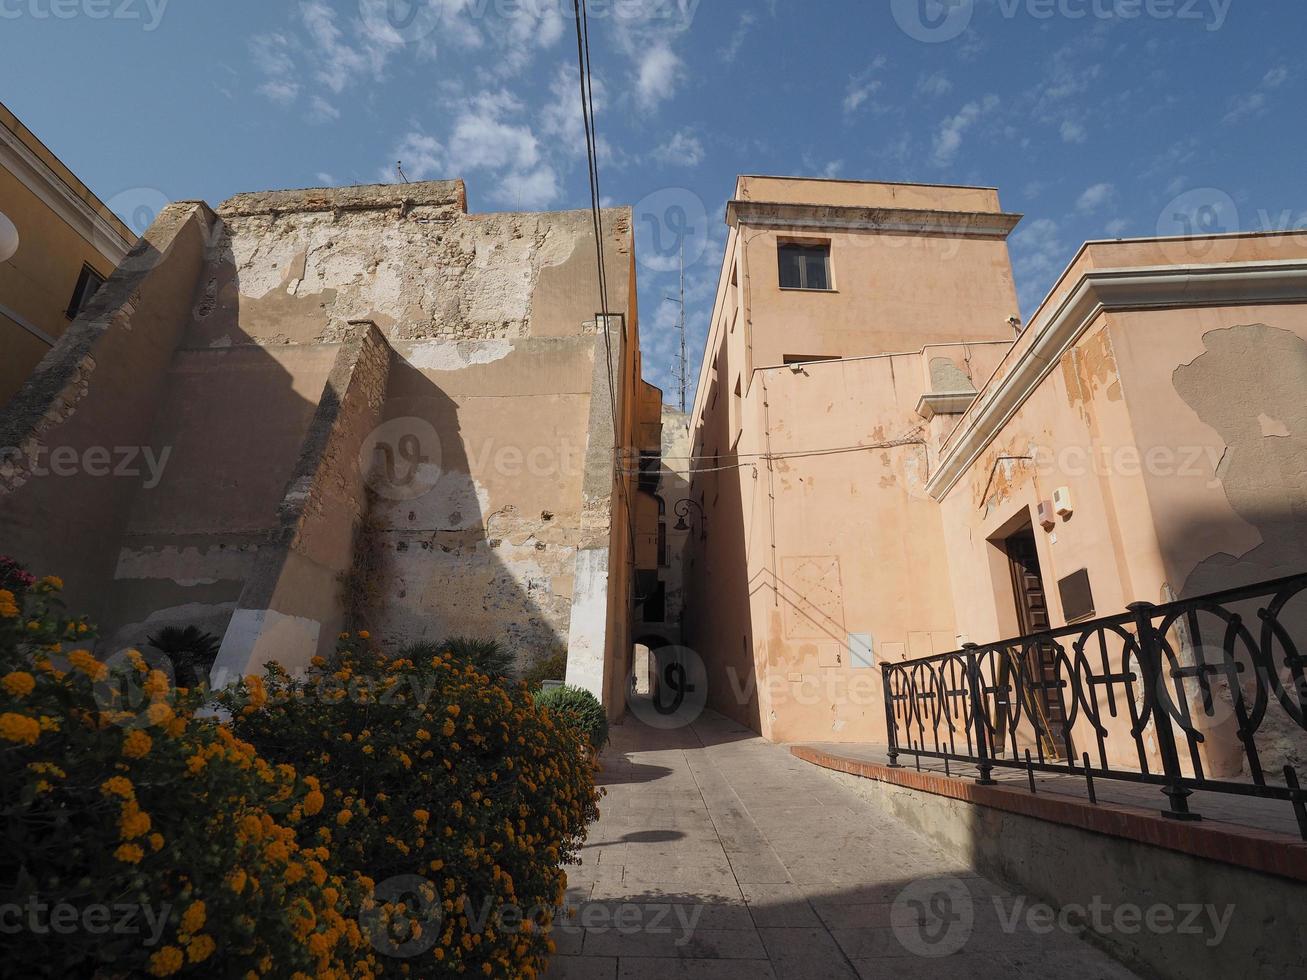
x: 807, y: 358
x: 87, y: 285
x: 805, y: 266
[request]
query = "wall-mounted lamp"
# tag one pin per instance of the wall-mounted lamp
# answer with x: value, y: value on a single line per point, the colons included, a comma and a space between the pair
x: 682, y: 510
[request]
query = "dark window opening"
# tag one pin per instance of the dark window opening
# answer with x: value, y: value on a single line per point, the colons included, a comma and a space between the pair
x: 805, y: 266
x: 88, y: 283
x: 655, y: 604
x: 662, y: 544
x: 651, y: 470
x: 807, y: 358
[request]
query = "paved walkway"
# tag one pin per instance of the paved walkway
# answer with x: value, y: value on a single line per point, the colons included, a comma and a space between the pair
x: 719, y: 855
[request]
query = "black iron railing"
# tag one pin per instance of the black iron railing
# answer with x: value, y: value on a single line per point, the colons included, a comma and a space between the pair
x: 1198, y: 694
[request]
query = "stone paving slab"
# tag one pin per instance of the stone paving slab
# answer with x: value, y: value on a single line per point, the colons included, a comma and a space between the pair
x: 719, y: 855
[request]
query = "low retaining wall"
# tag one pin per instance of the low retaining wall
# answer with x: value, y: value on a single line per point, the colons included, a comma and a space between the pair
x: 1064, y: 852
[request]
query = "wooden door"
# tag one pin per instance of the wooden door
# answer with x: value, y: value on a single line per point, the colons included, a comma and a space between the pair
x: 1045, y: 701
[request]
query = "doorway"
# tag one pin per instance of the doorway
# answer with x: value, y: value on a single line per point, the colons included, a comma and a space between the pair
x: 1044, y: 700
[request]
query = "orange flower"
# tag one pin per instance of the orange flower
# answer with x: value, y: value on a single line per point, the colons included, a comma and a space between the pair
x: 166, y: 962
x: 19, y: 728
x: 137, y: 744
x: 88, y: 665
x: 19, y: 683
x: 200, y: 949
x: 193, y: 918
x: 129, y: 853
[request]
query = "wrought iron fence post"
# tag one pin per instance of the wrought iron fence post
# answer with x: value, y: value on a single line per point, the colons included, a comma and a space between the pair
x: 1158, y: 698
x: 891, y: 732
x: 977, y: 719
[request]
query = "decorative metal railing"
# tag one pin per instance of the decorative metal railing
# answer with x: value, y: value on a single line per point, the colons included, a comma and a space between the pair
x: 1162, y: 694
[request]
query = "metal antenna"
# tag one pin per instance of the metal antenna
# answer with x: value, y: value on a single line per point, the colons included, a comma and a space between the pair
x: 680, y: 374
x: 399, y: 169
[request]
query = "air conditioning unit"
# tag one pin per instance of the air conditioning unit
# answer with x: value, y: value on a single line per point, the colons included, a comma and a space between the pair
x: 1062, y: 501
x: 1047, y: 518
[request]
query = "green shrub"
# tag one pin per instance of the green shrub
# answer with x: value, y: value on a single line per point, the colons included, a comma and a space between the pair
x: 119, y: 805
x: 578, y: 708
x: 551, y: 668
x: 191, y: 651
x: 442, y: 783
x: 486, y: 656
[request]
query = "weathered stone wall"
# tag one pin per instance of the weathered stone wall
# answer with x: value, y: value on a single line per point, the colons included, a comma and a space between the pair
x: 490, y: 426
x: 493, y: 321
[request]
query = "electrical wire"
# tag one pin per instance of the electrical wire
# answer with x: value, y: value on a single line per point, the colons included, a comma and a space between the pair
x: 581, y: 16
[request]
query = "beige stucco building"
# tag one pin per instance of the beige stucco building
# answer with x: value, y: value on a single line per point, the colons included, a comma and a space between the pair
x: 355, y: 406
x: 893, y: 466
x: 58, y: 243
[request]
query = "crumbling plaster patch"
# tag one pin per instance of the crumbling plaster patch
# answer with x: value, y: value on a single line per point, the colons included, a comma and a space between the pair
x: 416, y: 276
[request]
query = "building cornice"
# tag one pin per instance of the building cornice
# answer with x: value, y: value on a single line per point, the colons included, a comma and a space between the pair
x: 35, y: 174
x: 1098, y: 292
x: 823, y: 217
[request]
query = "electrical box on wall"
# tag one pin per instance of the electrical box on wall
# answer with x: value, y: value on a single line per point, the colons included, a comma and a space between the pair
x: 1062, y: 501
x: 1047, y: 519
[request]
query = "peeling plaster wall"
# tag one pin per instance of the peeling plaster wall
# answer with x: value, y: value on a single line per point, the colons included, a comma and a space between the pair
x: 492, y: 318
x: 1228, y: 382
x: 490, y: 330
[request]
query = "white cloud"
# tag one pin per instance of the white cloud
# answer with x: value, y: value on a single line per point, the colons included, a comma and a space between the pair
x: 492, y: 139
x: 422, y: 156
x: 529, y: 191
x: 863, y: 86
x: 937, y: 84
x: 1096, y: 197
x: 339, y: 62
x: 1254, y: 104
x: 682, y: 149
x: 948, y: 141
x: 1276, y: 77
x: 482, y: 139
x: 322, y: 111
x: 1038, y: 256
x: 1245, y: 106
x: 660, y: 72
x: 731, y: 51
x: 271, y: 54
x: 1116, y: 227
x: 646, y: 34
x: 1073, y: 132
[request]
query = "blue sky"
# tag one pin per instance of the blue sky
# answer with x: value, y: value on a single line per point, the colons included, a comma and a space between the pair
x: 1094, y: 118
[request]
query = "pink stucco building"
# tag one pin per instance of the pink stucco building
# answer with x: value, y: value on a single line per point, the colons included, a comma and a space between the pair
x: 893, y: 465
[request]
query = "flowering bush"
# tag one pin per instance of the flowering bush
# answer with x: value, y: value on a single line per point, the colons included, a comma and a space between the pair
x: 141, y: 839
x: 453, y: 793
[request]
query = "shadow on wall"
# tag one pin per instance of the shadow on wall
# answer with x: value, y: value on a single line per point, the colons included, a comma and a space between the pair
x: 232, y: 417
x: 1263, y: 475
x: 437, y: 569
x: 722, y: 633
